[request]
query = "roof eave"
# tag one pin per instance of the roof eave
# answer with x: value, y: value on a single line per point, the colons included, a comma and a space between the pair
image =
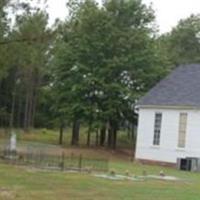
x: 174, y: 107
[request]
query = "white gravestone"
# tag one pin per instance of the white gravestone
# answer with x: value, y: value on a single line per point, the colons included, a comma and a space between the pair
x: 13, y: 143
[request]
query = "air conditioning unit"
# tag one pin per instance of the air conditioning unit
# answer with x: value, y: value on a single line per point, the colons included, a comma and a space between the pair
x: 189, y: 164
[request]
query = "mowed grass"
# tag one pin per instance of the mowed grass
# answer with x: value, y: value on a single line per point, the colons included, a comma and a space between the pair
x: 25, y: 183
x: 31, y: 184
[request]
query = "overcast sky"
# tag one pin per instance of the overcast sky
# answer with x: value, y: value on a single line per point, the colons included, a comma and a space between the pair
x: 168, y: 12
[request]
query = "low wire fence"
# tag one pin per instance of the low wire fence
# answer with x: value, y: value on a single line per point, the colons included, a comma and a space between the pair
x: 47, y: 157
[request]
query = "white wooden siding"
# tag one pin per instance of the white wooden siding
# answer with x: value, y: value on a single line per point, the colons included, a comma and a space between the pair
x: 168, y: 150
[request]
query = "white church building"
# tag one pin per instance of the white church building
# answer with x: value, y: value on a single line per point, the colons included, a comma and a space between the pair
x: 169, y: 118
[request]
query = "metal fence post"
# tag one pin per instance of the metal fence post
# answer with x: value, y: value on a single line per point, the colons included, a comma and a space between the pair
x: 80, y: 162
x: 63, y: 161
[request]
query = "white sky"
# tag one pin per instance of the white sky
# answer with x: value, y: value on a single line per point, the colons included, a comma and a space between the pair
x: 168, y: 12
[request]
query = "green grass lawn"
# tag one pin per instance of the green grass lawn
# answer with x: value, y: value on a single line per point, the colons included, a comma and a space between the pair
x: 30, y: 184
x: 23, y: 183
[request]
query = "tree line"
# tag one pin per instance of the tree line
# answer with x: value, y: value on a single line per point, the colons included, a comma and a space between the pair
x: 88, y: 70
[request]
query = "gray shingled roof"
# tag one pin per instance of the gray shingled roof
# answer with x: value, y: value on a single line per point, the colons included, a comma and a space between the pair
x: 180, y: 88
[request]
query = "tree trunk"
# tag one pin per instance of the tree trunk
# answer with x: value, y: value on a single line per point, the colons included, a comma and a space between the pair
x: 109, y: 140
x: 13, y: 108
x: 133, y: 136
x: 89, y: 134
x: 37, y: 84
x: 97, y: 137
x: 114, y: 138
x: 61, y: 133
x: 32, y: 89
x: 30, y: 109
x: 29, y: 99
x: 112, y: 135
x: 19, y: 111
x: 88, y: 137
x: 132, y: 131
x: 102, y: 136
x: 26, y: 110
x: 128, y: 130
x: 33, y: 110
x: 75, y: 133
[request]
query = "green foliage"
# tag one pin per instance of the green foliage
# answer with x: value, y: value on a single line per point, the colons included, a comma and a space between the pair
x: 23, y: 65
x: 92, y: 68
x: 183, y: 43
x: 3, y: 32
x: 103, y: 58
